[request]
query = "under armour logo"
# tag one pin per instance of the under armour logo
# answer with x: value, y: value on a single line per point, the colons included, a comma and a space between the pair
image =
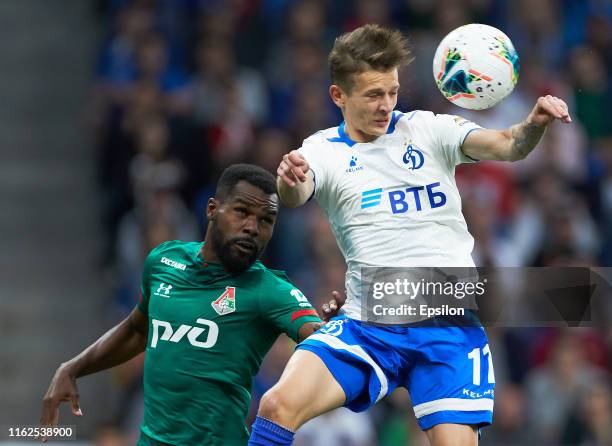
x: 165, y: 288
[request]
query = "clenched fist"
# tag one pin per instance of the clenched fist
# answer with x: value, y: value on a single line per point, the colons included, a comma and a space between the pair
x: 293, y: 168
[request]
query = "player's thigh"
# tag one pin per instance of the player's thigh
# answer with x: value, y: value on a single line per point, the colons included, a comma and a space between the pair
x: 305, y: 390
x: 453, y: 435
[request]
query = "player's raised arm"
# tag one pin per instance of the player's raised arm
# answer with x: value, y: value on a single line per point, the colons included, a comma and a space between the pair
x: 295, y: 180
x: 119, y: 344
x: 519, y: 140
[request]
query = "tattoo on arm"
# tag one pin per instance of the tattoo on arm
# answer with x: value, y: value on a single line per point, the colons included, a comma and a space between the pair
x: 525, y: 137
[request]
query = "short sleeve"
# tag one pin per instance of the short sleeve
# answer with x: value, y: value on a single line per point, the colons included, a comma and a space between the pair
x: 314, y: 152
x: 451, y: 131
x: 286, y: 307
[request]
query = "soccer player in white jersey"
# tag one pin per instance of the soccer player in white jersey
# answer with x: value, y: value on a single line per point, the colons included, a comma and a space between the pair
x: 385, y: 179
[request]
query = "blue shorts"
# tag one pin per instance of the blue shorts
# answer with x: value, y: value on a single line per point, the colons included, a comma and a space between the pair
x: 448, y: 371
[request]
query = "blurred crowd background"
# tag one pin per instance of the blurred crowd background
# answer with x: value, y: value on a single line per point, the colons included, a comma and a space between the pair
x: 184, y: 88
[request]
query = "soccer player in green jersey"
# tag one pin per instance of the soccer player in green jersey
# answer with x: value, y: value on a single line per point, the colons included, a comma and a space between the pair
x: 208, y: 314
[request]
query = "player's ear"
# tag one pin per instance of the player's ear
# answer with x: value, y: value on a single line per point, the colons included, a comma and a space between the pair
x: 337, y: 95
x: 211, y: 209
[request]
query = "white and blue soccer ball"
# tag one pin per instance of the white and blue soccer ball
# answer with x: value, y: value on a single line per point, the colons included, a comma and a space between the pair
x: 476, y: 66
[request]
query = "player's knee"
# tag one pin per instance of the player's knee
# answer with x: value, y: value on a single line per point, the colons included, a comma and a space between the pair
x: 278, y: 407
x: 272, y: 405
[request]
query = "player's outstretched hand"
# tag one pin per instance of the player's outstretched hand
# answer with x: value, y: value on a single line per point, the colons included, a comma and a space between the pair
x: 547, y: 109
x: 293, y: 168
x: 62, y: 388
x: 331, y: 308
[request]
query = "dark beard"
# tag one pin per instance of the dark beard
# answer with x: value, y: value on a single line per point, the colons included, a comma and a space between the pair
x: 233, y: 262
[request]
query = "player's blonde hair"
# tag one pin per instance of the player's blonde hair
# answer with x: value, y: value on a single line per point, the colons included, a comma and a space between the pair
x: 369, y: 47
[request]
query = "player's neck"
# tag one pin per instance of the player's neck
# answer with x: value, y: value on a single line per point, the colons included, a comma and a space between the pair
x: 209, y: 254
x: 356, y: 135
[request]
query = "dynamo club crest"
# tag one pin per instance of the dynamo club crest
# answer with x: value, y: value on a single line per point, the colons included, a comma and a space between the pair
x: 413, y: 158
x: 333, y: 327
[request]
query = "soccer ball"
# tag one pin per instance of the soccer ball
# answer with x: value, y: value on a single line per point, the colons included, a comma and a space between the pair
x: 476, y: 66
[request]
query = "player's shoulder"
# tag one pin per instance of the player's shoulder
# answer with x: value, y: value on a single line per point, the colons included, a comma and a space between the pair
x: 424, y: 121
x: 414, y: 117
x: 176, y: 250
x: 322, y: 138
x: 175, y: 245
x: 418, y: 117
x: 273, y: 278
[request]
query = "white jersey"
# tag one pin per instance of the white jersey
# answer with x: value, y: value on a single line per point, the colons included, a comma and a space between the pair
x: 393, y: 201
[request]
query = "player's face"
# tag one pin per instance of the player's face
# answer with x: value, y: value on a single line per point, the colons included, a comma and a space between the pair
x: 368, y: 107
x: 242, y: 226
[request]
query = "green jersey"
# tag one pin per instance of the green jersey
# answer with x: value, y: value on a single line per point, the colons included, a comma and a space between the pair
x: 208, y: 333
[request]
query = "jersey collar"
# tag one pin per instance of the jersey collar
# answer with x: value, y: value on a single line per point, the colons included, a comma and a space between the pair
x: 343, y: 136
x: 203, y: 263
